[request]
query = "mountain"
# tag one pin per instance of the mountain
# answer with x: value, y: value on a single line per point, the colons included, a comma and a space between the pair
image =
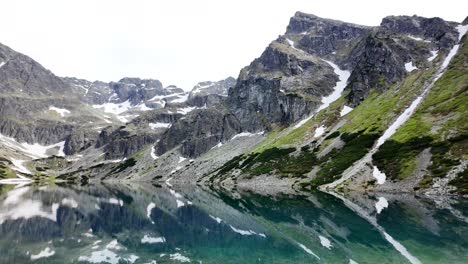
x: 327, y: 104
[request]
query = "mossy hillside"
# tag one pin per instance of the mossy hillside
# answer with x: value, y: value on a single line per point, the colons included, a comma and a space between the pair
x: 332, y: 165
x: 439, y: 123
x: 379, y: 109
x: 5, y: 169
x: 292, y: 137
x: 461, y: 182
x: 284, y: 162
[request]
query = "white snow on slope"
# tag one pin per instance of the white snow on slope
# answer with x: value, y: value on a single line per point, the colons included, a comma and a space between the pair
x: 345, y: 110
x: 343, y: 77
x: 185, y: 110
x: 434, y: 55
x: 325, y: 242
x: 247, y: 134
x: 152, y: 240
x: 182, y: 98
x: 319, y: 131
x: 153, y: 153
x: 61, y: 111
x: 409, y: 67
x: 28, y: 209
x: 113, y: 108
x: 179, y: 257
x: 143, y: 107
x: 449, y: 57
x: 399, y: 121
x: 159, y: 125
x: 33, y: 150
x: 47, y: 252
x: 2, y: 63
x: 69, y: 202
x: 180, y: 203
x: 462, y: 29
x: 217, y: 219
x: 307, y: 250
x: 291, y: 43
x: 381, y: 204
x: 149, y: 208
x: 199, y: 87
x: 14, y: 196
x: 418, y: 39
x: 380, y: 176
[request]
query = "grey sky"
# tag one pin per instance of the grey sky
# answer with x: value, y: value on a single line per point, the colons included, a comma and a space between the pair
x: 177, y: 42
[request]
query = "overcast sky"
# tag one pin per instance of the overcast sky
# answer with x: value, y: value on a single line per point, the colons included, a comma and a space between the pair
x: 177, y: 42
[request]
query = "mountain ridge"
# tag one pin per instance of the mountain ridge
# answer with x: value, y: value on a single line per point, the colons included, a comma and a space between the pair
x: 285, y: 114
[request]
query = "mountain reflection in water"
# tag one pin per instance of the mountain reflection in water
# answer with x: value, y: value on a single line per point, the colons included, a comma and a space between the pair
x: 132, y: 223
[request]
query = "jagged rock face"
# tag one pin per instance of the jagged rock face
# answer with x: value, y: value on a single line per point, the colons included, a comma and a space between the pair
x: 433, y: 29
x: 379, y: 66
x: 20, y: 74
x: 79, y: 140
x: 218, y: 88
x: 136, y: 90
x: 124, y: 141
x: 325, y: 37
x: 199, y: 131
x: 281, y: 86
x: 205, y: 100
x: 378, y: 61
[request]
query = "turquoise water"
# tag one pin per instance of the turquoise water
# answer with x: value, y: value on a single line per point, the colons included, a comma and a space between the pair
x: 187, y: 224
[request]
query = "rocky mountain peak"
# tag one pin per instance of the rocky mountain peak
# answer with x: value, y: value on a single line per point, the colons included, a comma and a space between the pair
x: 430, y: 29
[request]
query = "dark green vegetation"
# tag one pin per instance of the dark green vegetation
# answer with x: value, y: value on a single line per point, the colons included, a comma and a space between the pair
x: 440, y: 124
x: 5, y: 171
x: 337, y: 161
x: 284, y: 162
x: 126, y: 164
x: 461, y: 182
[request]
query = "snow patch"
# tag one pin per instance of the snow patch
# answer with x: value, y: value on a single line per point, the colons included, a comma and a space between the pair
x: 101, y: 256
x: 217, y: 219
x: 418, y: 39
x: 69, y: 202
x: 325, y: 242
x: 462, y: 29
x: 343, y: 77
x: 149, y: 208
x: 185, y: 110
x: 35, y: 150
x: 47, y: 252
x: 345, y: 110
x: 319, y: 131
x: 409, y: 67
x: 152, y: 240
x: 381, y: 204
x: 181, y: 98
x: 179, y: 257
x: 159, y: 125
x: 434, y: 55
x: 380, y: 176
x: 2, y: 63
x: 399, y: 121
x: 247, y: 134
x: 153, y: 153
x: 113, y: 108
x: 29, y: 209
x: 180, y: 203
x: 116, y: 201
x: 61, y: 111
x: 307, y: 250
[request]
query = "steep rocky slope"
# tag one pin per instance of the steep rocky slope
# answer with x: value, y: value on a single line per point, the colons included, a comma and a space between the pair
x: 327, y: 102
